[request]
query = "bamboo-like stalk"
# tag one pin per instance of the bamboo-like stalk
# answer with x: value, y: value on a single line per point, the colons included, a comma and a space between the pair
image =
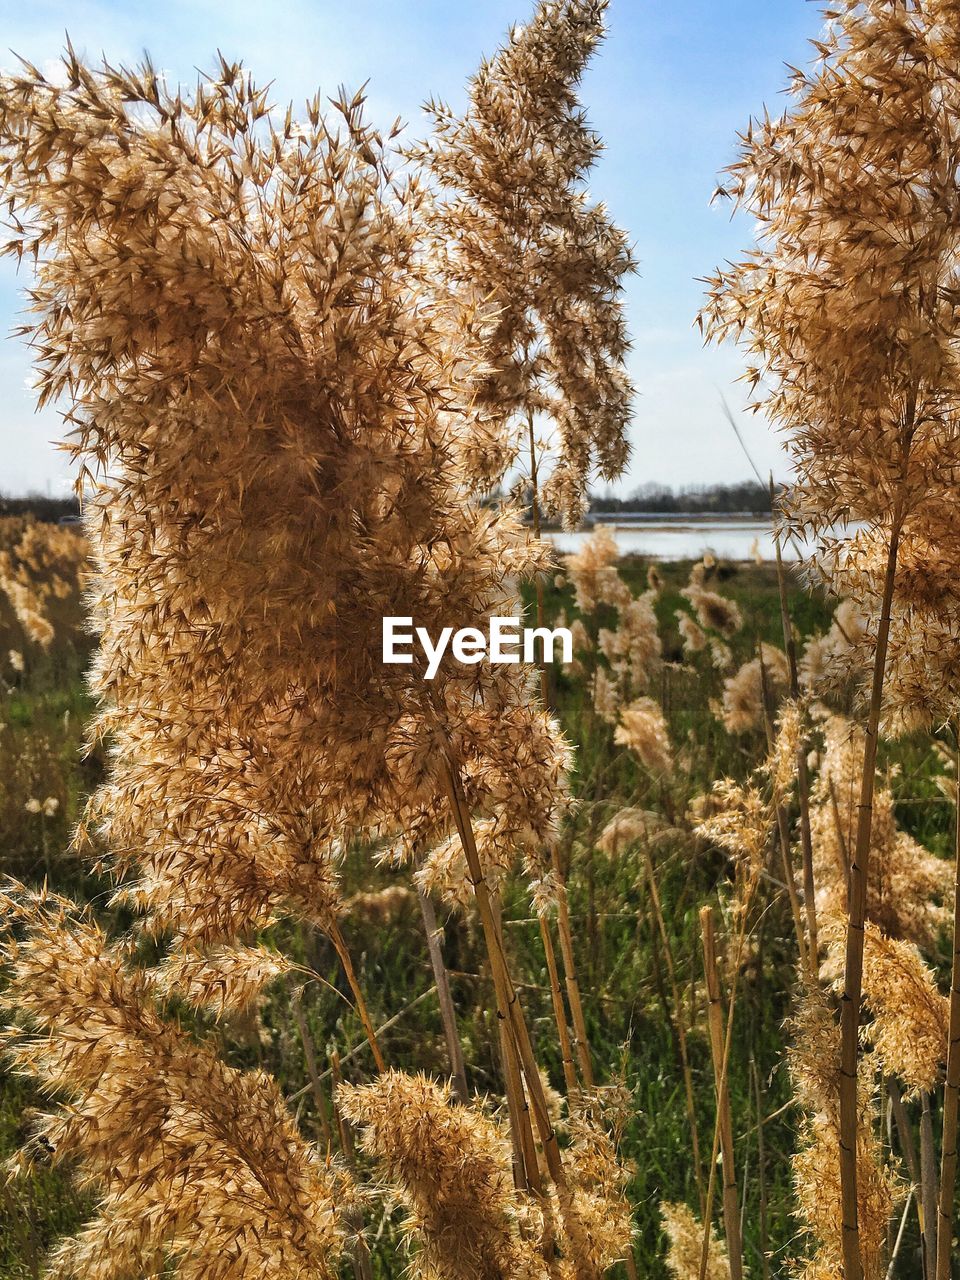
x: 907, y: 1145
x: 803, y: 775
x: 581, y: 1042
x: 928, y: 1185
x: 908, y: 1148
x: 783, y: 840
x: 448, y: 1016
x: 340, y: 946
x: 895, y: 1252
x: 559, y: 1012
x: 310, y: 1056
x: 678, y: 1022
x: 856, y: 920
x: 716, y: 1148
x: 526, y: 1165
x: 951, y: 1088
x: 510, y: 1011
x: 363, y: 1268
x: 783, y: 828
x: 715, y: 1023
x: 761, y: 1172
x: 535, y: 512
x: 507, y: 1000
x: 841, y: 836
x: 524, y: 1153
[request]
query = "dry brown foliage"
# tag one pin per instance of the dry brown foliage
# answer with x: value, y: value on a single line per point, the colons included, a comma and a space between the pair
x: 540, y: 265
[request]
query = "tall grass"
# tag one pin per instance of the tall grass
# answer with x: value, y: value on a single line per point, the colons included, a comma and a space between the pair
x: 308, y: 886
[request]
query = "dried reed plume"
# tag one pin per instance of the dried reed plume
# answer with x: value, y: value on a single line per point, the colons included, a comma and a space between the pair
x: 269, y: 405
x: 908, y: 1029
x: 192, y: 1163
x: 450, y: 1166
x: 233, y: 433
x: 908, y: 896
x: 714, y: 611
x: 643, y: 729
x: 693, y: 637
x: 221, y: 979
x: 593, y: 572
x: 684, y: 1234
x: 814, y: 1058
x: 754, y: 689
x: 846, y: 308
x: 539, y: 265
x: 629, y: 826
x: 628, y: 657
x: 827, y: 659
x: 39, y: 563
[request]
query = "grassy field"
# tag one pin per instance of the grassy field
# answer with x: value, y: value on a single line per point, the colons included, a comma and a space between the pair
x: 624, y: 973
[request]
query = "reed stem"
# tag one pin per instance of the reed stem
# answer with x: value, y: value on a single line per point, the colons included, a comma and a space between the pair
x: 761, y: 1173
x: 362, y: 1265
x: 715, y: 1023
x: 856, y: 920
x: 340, y: 946
x: 535, y: 513
x: 951, y: 1088
x: 448, y: 1016
x: 310, y: 1055
x: 526, y: 1164
x: 803, y: 774
x: 565, y: 933
x: 783, y: 826
x: 678, y: 1022
x: 559, y: 1012
x: 928, y: 1185
x: 510, y: 1011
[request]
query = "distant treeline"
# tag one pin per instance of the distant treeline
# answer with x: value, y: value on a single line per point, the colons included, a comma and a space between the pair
x: 748, y: 495
x: 44, y: 508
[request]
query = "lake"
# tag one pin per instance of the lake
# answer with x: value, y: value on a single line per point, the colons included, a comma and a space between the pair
x: 685, y: 538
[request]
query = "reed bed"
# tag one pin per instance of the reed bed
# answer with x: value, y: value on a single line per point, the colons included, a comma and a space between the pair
x: 647, y: 965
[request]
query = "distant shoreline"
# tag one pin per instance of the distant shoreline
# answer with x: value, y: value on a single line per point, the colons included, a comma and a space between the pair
x: 639, y: 519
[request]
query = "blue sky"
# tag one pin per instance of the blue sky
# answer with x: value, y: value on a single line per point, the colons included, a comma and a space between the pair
x: 668, y: 92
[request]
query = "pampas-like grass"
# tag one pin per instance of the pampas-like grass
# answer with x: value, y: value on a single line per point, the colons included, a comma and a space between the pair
x: 270, y: 404
x: 753, y: 688
x: 450, y: 1165
x: 540, y: 265
x: 247, y: 731
x: 684, y: 1234
x: 222, y: 979
x: 814, y: 1067
x: 643, y: 729
x: 39, y: 563
x: 714, y: 612
x: 592, y: 571
x: 691, y: 634
x: 853, y: 349
x: 191, y: 1163
x: 908, y: 1029
x: 909, y: 892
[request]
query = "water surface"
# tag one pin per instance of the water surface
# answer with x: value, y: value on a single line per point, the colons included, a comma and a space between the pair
x: 687, y: 538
